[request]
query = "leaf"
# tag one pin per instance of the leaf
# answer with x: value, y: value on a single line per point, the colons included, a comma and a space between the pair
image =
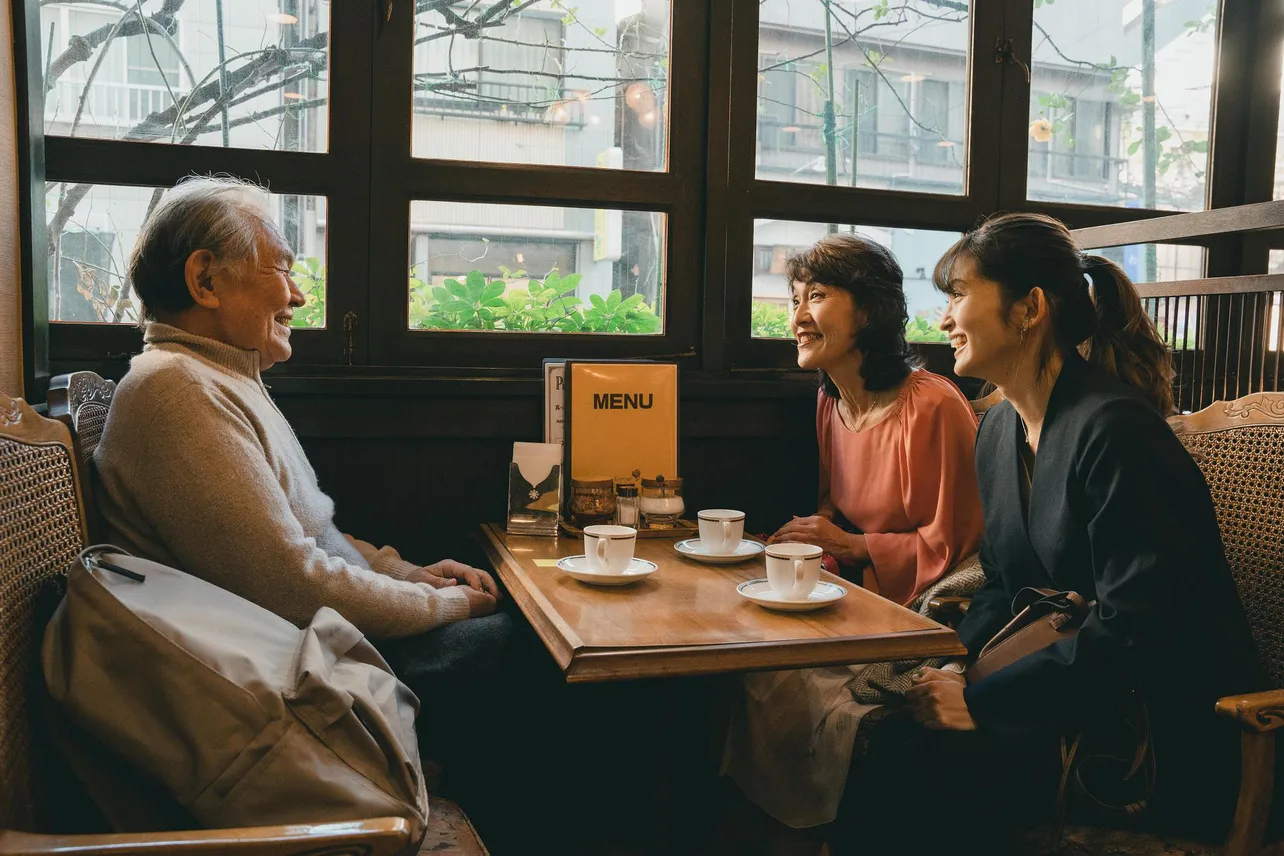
x: 1130, y: 97
x: 476, y: 284
x: 571, y: 281
x: 1132, y: 149
x: 493, y: 290
x: 613, y: 300
x: 441, y: 295
x: 1163, y: 133
x: 631, y: 303
x: 457, y: 306
x: 1200, y: 146
x: 554, y: 281
x: 457, y: 288
x: 597, y: 301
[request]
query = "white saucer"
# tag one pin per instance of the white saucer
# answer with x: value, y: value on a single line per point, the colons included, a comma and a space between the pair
x: 577, y: 567
x: 692, y: 548
x: 761, y: 593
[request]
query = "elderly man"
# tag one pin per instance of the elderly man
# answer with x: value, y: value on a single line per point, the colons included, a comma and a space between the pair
x: 199, y: 468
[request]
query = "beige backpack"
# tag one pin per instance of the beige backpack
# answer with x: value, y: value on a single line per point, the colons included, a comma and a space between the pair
x: 238, y: 715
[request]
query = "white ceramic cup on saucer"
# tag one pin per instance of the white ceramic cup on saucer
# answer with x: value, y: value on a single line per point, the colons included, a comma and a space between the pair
x: 793, y: 569
x: 609, y: 549
x: 721, y: 530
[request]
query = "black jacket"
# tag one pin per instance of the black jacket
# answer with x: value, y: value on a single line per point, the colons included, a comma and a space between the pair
x: 1120, y: 513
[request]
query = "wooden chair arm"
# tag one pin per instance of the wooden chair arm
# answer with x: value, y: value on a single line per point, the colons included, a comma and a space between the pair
x: 950, y: 602
x: 1255, y: 711
x: 383, y: 836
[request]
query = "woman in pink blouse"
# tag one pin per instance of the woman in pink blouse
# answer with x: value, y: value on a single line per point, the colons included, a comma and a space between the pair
x: 895, y: 441
x: 896, y: 463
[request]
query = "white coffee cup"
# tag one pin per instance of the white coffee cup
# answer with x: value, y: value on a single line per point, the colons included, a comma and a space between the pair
x: 793, y: 569
x: 721, y: 530
x: 609, y: 549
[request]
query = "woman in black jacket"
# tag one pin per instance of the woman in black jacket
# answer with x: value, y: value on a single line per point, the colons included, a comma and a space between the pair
x: 1084, y: 488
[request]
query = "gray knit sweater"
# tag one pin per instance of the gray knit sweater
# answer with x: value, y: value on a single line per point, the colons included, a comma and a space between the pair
x: 200, y: 470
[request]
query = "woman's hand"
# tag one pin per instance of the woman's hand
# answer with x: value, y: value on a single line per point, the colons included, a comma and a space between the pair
x: 937, y: 702
x: 822, y: 532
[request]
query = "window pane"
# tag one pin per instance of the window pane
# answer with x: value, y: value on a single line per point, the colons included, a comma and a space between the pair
x: 1157, y: 262
x: 1121, y: 93
x: 917, y: 250
x: 92, y: 230
x: 1279, y: 161
x: 896, y: 86
x: 543, y: 83
x: 1276, y: 318
x: 266, y: 62
x: 525, y: 268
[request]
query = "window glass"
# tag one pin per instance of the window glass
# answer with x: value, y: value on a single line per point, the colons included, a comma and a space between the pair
x: 93, y: 228
x: 543, y: 83
x: 917, y: 251
x: 1120, y: 100
x: 526, y: 268
x: 242, y: 73
x: 892, y: 77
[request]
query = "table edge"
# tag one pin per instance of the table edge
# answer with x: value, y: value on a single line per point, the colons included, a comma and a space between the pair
x: 558, y: 637
x: 606, y: 664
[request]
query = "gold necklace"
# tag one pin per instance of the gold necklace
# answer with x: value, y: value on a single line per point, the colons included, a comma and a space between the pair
x: 858, y: 418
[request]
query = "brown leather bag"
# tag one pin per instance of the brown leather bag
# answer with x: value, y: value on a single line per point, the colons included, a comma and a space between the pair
x: 1043, y: 616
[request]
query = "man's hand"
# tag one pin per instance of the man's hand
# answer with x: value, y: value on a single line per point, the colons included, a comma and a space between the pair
x: 423, y: 575
x: 825, y: 534
x: 474, y: 578
x: 937, y: 702
x: 479, y: 603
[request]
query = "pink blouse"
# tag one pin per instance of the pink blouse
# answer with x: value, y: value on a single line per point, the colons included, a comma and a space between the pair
x: 908, y: 483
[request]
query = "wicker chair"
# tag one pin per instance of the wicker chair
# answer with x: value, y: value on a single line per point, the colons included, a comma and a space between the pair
x: 81, y: 401
x: 1239, y: 446
x: 42, y: 529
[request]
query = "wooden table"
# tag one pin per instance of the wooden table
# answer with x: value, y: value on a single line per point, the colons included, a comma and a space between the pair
x: 688, y: 619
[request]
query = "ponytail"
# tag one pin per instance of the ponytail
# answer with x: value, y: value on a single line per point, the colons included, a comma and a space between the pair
x: 1123, y: 340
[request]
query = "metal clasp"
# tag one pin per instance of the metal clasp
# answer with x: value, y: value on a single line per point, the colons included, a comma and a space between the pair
x: 349, y: 330
x: 1005, y: 55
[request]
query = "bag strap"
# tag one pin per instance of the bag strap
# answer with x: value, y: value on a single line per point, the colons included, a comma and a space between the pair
x: 1031, y: 604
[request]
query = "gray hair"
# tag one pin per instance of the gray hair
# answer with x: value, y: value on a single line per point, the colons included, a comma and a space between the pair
x: 219, y: 213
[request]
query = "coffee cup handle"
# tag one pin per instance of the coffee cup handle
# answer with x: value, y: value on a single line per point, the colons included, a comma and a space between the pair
x: 726, y: 535
x: 601, y: 552
x: 800, y: 569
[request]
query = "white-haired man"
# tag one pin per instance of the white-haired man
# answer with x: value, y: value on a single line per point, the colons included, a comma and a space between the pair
x: 199, y: 468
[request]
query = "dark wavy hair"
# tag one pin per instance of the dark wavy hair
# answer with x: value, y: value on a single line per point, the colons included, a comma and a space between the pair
x: 868, y: 271
x: 1109, y: 326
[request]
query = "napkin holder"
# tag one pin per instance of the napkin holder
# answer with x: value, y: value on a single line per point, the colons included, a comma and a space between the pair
x: 533, y: 509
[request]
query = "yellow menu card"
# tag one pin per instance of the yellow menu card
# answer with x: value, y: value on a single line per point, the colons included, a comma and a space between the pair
x: 621, y: 417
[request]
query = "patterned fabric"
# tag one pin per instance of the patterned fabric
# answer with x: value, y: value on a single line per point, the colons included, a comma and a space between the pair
x: 1244, y: 468
x: 39, y: 537
x: 881, y: 683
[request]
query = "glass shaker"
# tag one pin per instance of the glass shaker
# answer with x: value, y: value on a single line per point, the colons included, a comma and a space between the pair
x: 627, y: 508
